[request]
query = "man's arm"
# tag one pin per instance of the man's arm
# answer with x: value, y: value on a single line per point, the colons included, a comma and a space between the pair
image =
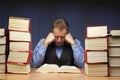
x: 40, y: 49
x: 38, y: 54
x: 77, y: 50
x: 78, y: 54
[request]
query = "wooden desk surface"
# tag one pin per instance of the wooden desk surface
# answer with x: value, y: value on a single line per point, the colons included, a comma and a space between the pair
x: 52, y: 76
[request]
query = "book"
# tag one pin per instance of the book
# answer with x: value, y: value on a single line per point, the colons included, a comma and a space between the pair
x: 3, y: 43
x: 23, y: 57
x: 96, y: 69
x: 53, y: 68
x: 2, y: 58
x: 114, y: 71
x: 115, y: 32
x: 23, y: 46
x: 114, y: 61
x: 19, y: 36
x: 2, y: 68
x: 18, y: 68
x: 96, y: 43
x: 3, y: 40
x: 2, y: 31
x: 96, y: 31
x: 19, y: 23
x: 20, y: 47
x: 2, y: 49
x: 114, y: 51
x: 114, y: 41
x: 96, y: 57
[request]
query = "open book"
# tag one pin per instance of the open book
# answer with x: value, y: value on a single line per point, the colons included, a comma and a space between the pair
x: 47, y: 68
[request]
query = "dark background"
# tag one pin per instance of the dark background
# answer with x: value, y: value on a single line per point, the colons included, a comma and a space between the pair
x: 78, y: 13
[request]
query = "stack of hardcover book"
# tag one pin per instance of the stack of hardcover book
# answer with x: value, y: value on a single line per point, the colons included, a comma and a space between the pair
x: 96, y: 47
x: 114, y: 53
x: 20, y: 49
x: 3, y: 45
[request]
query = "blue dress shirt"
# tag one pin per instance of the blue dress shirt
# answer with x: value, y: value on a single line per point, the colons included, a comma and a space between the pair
x: 39, y: 54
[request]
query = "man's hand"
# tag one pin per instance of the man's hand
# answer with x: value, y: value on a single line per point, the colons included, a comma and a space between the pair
x: 70, y: 39
x: 50, y: 38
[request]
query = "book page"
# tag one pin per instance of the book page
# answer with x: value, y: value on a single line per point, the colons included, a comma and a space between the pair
x: 46, y: 68
x: 69, y: 69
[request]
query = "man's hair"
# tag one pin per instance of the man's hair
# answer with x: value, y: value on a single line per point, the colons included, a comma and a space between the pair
x: 61, y: 24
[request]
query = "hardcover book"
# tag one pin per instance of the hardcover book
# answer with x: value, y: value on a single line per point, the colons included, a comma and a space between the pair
x: 96, y: 31
x: 18, y: 68
x: 3, y: 40
x: 2, y: 49
x: 19, y: 36
x: 2, y: 58
x: 114, y: 41
x: 96, y: 44
x: 19, y: 23
x: 22, y: 57
x: 2, y: 68
x: 23, y: 46
x: 114, y: 71
x: 96, y: 56
x: 114, y: 61
x: 96, y: 69
x: 115, y: 32
x: 2, y: 31
x: 114, y: 51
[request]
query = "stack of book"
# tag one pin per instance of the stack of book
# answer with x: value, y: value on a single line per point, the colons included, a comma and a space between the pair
x: 3, y: 43
x: 114, y: 53
x: 19, y: 45
x: 96, y: 46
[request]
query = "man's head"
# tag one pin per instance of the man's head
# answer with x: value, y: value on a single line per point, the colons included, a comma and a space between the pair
x: 60, y: 30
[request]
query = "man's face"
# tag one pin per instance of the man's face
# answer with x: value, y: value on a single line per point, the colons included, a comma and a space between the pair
x: 59, y: 36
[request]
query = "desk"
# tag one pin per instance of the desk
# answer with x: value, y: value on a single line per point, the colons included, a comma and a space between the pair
x: 52, y: 76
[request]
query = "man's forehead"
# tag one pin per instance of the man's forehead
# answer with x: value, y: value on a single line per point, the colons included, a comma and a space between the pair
x: 59, y: 30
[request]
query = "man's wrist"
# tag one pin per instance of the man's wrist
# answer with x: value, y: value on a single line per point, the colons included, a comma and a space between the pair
x: 73, y: 43
x: 45, y: 43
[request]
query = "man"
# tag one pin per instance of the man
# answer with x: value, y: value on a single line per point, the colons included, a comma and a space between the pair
x: 59, y: 47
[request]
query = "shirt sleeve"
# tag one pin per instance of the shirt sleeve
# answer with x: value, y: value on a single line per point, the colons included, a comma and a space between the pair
x: 38, y: 55
x: 78, y: 53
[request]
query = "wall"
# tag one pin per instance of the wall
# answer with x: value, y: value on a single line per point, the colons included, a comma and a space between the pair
x: 78, y: 13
